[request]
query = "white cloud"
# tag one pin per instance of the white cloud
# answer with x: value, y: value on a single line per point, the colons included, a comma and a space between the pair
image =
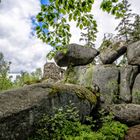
x: 25, y: 52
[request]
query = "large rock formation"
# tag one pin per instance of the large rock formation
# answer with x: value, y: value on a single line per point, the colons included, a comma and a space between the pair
x: 136, y: 90
x: 112, y: 53
x: 103, y: 76
x: 21, y: 108
x: 133, y: 53
x: 76, y: 55
x: 128, y: 74
x: 114, y: 82
x: 106, y: 77
x: 126, y: 113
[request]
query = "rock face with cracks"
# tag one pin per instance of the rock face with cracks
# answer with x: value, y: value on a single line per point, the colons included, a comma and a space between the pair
x: 126, y: 113
x: 106, y: 78
x: 21, y: 108
x: 136, y: 90
x: 128, y: 74
x: 102, y: 78
x: 133, y: 53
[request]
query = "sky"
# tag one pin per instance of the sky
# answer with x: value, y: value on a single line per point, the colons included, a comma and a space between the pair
x: 25, y: 51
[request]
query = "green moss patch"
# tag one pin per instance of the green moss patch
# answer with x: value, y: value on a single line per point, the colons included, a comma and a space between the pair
x: 80, y: 91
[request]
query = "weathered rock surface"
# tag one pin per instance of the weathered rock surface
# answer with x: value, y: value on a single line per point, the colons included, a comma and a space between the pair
x: 127, y: 113
x: 52, y: 72
x: 136, y: 90
x: 133, y: 133
x: 81, y: 75
x: 133, y: 53
x: 112, y: 53
x: 106, y: 77
x: 128, y: 74
x: 21, y: 108
x: 76, y: 55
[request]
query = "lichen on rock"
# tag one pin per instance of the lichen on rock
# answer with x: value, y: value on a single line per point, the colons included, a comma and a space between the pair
x: 82, y: 92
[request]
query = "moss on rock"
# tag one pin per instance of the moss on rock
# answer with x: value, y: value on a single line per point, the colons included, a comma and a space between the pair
x: 80, y: 91
x: 81, y: 75
x: 70, y: 75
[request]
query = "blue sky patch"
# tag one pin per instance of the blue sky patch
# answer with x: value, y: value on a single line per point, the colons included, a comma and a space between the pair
x: 34, y: 22
x: 44, y: 2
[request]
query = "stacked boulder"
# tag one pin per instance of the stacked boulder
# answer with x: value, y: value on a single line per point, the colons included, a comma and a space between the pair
x: 52, y: 73
x: 118, y: 86
x: 76, y: 55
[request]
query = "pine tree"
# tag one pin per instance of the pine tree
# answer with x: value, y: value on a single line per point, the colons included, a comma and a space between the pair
x: 125, y: 26
x: 107, y: 41
x: 136, y: 29
x: 89, y: 37
x: 90, y: 31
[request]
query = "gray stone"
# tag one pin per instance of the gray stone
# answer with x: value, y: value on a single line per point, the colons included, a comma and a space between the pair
x: 102, y: 78
x: 52, y: 73
x: 136, y: 90
x: 106, y: 77
x: 21, y: 108
x: 127, y: 113
x: 128, y: 74
x: 76, y: 55
x: 81, y: 75
x: 112, y: 53
x: 133, y: 53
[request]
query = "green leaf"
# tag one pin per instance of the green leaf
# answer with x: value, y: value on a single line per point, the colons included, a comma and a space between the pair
x: 74, y: 17
x: 50, y: 55
x: 70, y: 16
x: 38, y: 28
x: 83, y: 4
x: 63, y: 20
x: 114, y: 1
x: 81, y: 26
x: 40, y: 19
x: 44, y: 26
x: 63, y: 11
x: 43, y: 8
x: 57, y: 3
